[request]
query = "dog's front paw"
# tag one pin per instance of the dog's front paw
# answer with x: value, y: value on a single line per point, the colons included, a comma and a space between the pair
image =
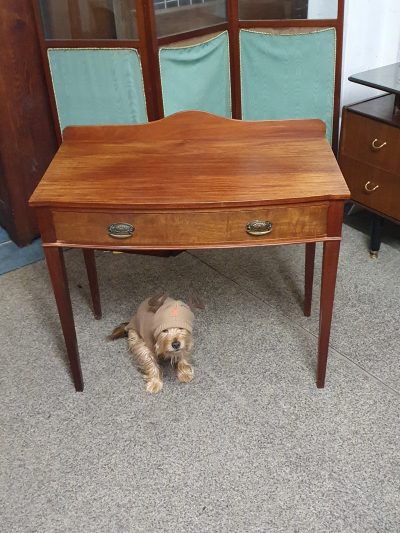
x: 154, y: 385
x: 185, y: 373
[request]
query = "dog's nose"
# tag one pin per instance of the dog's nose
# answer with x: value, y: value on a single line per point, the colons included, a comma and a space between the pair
x: 176, y: 345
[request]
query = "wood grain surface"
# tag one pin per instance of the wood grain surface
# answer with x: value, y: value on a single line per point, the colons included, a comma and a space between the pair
x: 385, y: 197
x: 372, y: 175
x: 359, y: 134
x: 192, y: 228
x: 192, y: 160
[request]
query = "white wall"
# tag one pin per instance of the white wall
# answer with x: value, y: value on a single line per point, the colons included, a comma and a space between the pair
x: 371, y: 39
x: 322, y: 9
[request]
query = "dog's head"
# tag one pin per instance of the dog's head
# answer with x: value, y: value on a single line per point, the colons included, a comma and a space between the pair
x: 172, y: 342
x: 176, y: 337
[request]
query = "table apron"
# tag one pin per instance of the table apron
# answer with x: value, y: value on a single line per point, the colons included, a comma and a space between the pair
x: 189, y: 228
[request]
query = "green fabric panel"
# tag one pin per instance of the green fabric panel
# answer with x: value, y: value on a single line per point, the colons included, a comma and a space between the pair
x: 97, y: 86
x: 197, y: 77
x: 288, y: 76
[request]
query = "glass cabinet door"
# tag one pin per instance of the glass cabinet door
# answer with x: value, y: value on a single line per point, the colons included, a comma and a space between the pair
x: 89, y: 19
x: 178, y: 16
x: 287, y: 9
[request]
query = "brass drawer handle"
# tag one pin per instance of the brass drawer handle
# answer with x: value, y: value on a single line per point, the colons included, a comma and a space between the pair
x: 120, y: 230
x: 378, y: 146
x: 259, y: 227
x: 366, y: 187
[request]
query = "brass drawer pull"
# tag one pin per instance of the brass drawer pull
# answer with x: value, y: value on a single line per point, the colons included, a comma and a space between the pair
x: 378, y: 146
x: 259, y: 227
x: 368, y: 189
x: 120, y: 230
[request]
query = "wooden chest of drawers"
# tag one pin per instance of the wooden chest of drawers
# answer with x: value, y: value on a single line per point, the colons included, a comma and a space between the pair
x: 369, y: 155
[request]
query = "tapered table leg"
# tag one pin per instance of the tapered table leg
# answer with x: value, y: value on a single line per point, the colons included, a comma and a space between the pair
x: 309, y: 277
x: 328, y: 282
x: 90, y: 263
x: 55, y: 263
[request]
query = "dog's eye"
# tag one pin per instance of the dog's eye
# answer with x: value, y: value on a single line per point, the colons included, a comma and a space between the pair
x: 165, y: 331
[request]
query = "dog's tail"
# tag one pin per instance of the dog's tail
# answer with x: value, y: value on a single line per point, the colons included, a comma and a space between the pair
x: 118, y: 332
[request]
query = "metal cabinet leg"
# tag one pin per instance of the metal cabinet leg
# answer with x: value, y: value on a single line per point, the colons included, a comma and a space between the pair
x: 376, y: 234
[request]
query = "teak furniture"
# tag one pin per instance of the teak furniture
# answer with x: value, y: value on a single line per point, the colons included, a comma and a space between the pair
x: 192, y: 180
x: 369, y: 154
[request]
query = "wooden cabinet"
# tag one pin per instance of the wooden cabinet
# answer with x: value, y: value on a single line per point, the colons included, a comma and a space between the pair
x: 369, y: 156
x: 27, y: 138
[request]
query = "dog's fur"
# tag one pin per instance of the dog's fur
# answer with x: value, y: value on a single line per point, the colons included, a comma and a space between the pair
x: 148, y: 358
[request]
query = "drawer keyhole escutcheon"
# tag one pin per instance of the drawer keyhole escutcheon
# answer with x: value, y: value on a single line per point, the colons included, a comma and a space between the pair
x: 259, y: 227
x: 368, y: 187
x: 120, y: 230
x: 376, y: 146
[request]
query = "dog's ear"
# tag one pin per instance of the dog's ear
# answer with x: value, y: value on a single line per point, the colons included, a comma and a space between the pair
x: 194, y: 300
x: 156, y: 301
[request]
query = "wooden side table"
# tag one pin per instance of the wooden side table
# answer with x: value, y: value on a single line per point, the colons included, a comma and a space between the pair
x: 369, y: 155
x: 189, y: 181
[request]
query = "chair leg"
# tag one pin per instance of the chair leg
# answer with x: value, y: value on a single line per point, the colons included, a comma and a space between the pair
x: 90, y: 263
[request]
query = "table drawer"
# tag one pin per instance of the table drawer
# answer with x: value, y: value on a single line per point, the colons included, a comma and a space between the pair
x: 372, y: 142
x: 372, y: 187
x: 192, y: 228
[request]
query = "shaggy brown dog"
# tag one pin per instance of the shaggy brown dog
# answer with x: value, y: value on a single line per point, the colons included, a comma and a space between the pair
x: 161, y: 329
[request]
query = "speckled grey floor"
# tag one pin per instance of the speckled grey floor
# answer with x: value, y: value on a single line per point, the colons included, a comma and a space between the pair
x: 250, y: 446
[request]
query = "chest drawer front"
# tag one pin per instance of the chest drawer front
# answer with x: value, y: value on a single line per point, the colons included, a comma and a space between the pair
x: 372, y: 187
x: 192, y: 228
x: 372, y: 142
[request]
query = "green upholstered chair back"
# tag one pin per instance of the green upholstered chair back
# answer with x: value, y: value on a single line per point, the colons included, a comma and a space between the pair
x: 97, y: 86
x: 288, y: 75
x: 197, y: 77
x: 284, y: 74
